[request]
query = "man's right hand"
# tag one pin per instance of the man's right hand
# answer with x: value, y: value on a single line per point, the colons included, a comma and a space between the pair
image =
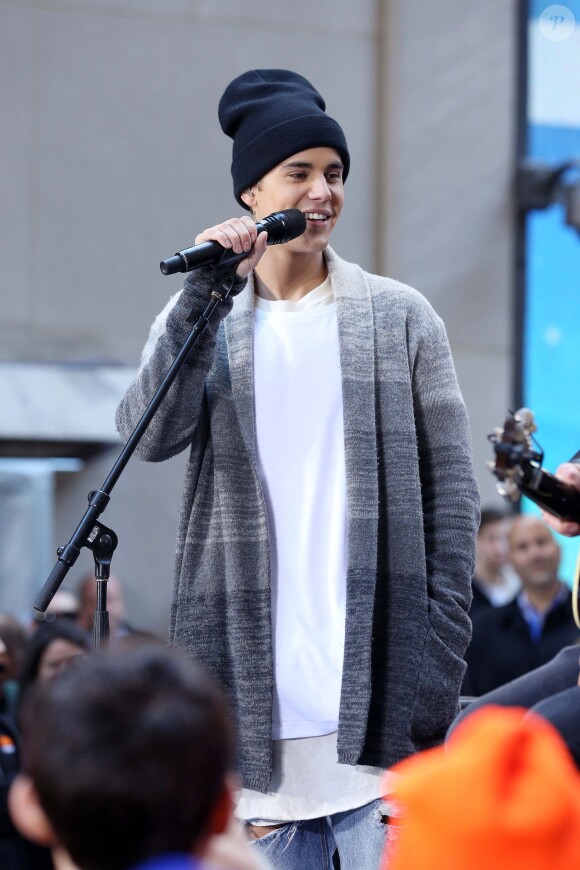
x: 239, y: 235
x: 568, y: 472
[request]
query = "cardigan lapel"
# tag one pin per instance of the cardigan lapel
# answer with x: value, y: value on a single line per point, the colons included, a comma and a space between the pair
x: 357, y: 363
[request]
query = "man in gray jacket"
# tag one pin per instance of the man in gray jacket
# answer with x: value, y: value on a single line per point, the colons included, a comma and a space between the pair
x: 327, y: 534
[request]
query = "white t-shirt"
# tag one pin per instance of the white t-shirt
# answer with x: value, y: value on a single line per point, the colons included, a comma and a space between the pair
x: 308, y: 783
x: 300, y: 440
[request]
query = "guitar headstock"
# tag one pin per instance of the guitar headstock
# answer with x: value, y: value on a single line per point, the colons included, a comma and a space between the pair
x: 515, y: 453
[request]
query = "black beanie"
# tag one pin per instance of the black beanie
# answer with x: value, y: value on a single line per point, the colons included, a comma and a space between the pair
x: 271, y: 114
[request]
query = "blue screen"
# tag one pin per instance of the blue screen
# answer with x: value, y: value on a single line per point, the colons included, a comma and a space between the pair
x: 551, y: 339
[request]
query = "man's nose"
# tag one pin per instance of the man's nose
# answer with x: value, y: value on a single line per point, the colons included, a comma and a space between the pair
x: 537, y: 551
x: 320, y: 189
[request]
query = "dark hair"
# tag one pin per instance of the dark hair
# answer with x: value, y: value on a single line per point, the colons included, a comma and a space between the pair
x: 128, y: 751
x: 13, y: 633
x: 61, y: 628
x: 493, y: 515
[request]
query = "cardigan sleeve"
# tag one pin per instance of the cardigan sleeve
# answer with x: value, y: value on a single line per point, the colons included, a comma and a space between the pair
x: 450, y: 495
x: 172, y: 427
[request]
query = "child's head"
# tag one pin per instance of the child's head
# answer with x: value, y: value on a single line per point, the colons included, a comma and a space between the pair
x: 125, y: 756
x: 503, y: 792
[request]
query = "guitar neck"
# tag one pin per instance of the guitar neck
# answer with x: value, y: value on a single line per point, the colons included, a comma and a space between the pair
x: 551, y: 494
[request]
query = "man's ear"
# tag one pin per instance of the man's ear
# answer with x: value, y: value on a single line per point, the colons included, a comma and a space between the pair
x: 27, y: 814
x: 249, y: 197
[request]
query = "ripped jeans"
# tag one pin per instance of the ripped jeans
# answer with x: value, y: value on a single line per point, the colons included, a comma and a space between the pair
x: 360, y: 836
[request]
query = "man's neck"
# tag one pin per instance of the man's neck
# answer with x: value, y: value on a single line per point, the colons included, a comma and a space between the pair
x: 282, y: 275
x: 542, y: 598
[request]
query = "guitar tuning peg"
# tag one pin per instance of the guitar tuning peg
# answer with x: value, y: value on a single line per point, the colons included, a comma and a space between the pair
x: 526, y: 418
x: 508, y: 489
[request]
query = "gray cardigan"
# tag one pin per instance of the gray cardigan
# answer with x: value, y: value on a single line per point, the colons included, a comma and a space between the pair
x: 413, y: 513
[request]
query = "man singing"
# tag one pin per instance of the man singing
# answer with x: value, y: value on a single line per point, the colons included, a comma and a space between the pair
x: 327, y: 534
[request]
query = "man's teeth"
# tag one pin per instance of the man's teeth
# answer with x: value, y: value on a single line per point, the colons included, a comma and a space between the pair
x: 315, y: 216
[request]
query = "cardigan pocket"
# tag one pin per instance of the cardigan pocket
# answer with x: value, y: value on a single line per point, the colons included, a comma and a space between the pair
x: 437, y: 698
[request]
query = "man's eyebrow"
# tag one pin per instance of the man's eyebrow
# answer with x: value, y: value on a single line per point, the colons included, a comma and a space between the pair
x: 303, y: 164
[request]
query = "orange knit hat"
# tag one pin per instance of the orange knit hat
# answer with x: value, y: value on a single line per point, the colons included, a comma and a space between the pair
x: 503, y: 793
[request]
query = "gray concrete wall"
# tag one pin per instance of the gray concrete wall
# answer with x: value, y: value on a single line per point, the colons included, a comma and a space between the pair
x: 116, y: 160
x: 447, y: 150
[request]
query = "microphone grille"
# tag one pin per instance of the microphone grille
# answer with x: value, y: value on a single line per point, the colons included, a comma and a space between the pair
x: 283, y: 226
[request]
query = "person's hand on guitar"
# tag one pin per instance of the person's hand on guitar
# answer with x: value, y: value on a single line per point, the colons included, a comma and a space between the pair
x: 568, y: 472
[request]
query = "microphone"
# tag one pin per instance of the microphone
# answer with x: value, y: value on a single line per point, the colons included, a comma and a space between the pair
x: 281, y: 226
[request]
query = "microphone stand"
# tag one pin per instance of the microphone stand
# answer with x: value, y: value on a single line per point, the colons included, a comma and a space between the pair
x: 90, y: 532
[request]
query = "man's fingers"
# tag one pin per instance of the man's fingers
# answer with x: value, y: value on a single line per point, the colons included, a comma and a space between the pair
x: 238, y: 234
x: 563, y: 527
x: 569, y: 472
x: 255, y: 256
